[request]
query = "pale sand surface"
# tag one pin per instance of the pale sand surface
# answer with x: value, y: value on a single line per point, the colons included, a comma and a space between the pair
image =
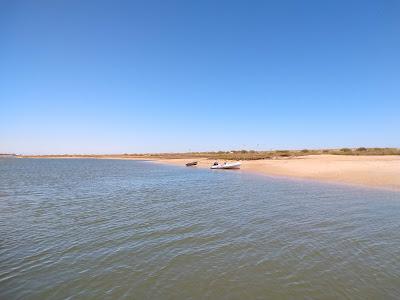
x: 373, y: 171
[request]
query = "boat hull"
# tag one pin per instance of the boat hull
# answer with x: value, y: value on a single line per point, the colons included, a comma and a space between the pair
x: 226, y: 166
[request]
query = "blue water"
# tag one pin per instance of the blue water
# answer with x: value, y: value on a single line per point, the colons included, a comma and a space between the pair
x: 119, y: 229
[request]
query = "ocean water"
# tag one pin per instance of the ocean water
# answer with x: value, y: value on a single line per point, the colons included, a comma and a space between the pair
x: 115, y: 229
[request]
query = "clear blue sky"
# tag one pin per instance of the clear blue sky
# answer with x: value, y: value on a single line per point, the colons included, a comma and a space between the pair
x: 154, y: 76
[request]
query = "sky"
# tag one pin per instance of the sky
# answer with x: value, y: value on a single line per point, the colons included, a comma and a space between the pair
x: 177, y: 76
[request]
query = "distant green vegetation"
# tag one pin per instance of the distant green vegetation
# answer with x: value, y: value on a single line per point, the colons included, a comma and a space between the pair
x: 276, y: 154
x: 246, y: 154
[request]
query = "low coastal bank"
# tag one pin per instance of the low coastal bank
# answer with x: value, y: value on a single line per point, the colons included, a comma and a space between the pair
x: 380, y: 171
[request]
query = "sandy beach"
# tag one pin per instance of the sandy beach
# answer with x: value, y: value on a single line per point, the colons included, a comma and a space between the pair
x: 379, y: 171
x: 372, y: 171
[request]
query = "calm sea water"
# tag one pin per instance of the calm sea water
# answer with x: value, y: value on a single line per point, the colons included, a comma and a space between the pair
x: 113, y: 229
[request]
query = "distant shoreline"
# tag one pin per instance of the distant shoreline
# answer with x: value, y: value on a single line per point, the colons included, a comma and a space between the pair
x: 379, y: 171
x: 235, y: 154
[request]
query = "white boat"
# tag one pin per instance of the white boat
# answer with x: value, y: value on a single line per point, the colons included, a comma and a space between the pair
x: 226, y: 166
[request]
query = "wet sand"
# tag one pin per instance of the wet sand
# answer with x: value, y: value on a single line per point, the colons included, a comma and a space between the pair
x: 372, y: 171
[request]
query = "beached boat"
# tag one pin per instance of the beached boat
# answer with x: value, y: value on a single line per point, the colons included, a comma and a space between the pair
x: 191, y: 164
x: 226, y: 166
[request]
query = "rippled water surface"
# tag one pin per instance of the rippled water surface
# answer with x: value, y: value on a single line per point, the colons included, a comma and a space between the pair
x: 113, y: 229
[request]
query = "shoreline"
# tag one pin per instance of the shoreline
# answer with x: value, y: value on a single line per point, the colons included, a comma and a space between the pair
x: 381, y: 172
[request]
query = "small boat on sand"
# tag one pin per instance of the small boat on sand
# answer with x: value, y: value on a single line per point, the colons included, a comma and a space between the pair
x: 235, y: 165
x: 191, y: 164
